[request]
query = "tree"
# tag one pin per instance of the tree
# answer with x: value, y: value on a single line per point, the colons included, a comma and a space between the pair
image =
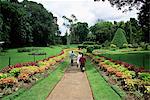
x: 43, y: 24
x: 26, y: 23
x: 103, y: 31
x: 91, y: 37
x: 144, y: 13
x: 13, y: 16
x: 134, y: 32
x: 80, y: 31
x: 68, y: 23
x: 119, y: 38
x: 144, y: 20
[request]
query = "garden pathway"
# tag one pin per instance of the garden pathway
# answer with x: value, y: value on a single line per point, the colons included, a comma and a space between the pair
x: 73, y: 86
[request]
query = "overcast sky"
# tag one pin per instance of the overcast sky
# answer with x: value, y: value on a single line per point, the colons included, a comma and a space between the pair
x: 85, y: 11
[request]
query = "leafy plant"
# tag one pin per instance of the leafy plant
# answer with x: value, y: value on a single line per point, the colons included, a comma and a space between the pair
x: 145, y: 76
x: 15, y: 72
x: 3, y: 75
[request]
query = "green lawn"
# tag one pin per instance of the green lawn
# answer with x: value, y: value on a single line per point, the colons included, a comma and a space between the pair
x: 101, y: 89
x: 41, y: 89
x: 24, y: 57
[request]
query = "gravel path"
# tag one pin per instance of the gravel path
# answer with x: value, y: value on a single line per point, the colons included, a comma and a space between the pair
x: 73, y: 86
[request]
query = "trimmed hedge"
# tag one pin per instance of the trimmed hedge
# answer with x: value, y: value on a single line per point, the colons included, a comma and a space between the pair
x: 119, y: 38
x: 88, y: 43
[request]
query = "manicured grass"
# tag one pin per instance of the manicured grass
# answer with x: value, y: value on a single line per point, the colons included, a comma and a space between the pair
x: 24, y: 57
x: 41, y: 90
x: 101, y: 89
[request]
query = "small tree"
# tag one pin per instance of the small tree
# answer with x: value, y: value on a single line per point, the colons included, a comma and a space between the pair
x: 119, y: 38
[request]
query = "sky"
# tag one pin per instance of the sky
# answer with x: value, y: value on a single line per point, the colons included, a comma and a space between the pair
x: 85, y: 11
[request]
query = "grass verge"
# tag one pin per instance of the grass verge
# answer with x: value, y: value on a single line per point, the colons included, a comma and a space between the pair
x: 17, y: 57
x: 101, y: 89
x: 41, y: 90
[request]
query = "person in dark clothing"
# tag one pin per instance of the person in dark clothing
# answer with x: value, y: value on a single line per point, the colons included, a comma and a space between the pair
x: 82, y: 63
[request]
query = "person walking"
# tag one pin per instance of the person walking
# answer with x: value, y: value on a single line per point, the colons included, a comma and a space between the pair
x: 72, y: 55
x: 82, y: 63
x: 78, y: 58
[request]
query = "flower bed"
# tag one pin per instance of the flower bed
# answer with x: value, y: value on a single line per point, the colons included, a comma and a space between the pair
x: 11, y: 76
x: 130, y: 77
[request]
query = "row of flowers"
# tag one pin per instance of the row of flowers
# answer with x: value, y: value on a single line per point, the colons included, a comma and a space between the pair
x: 131, y: 77
x: 11, y: 76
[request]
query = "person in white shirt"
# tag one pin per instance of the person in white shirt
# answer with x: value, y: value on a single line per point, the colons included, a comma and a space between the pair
x: 78, y: 58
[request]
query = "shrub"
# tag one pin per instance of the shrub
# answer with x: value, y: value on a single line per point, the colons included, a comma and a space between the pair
x: 90, y: 49
x: 125, y: 45
x: 106, y: 43
x: 113, y: 46
x: 135, y: 45
x: 88, y: 43
x: 97, y: 46
x: 144, y: 45
x: 23, y: 50
x: 119, y: 38
x: 82, y: 46
x: 130, y: 45
x: 145, y: 76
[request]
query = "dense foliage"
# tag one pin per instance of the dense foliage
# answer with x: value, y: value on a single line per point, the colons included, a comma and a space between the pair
x: 119, y: 38
x: 103, y: 31
x: 26, y: 23
x: 79, y: 32
x: 144, y: 13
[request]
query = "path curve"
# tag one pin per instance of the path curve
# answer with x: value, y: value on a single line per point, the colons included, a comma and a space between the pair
x: 73, y: 86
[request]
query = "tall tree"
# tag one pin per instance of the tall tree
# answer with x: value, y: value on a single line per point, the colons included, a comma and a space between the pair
x: 103, y: 31
x: 43, y: 24
x: 80, y: 32
x: 144, y: 13
x: 68, y: 23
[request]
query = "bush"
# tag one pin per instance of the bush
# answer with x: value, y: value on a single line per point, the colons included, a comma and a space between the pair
x: 144, y: 45
x: 113, y: 46
x: 82, y: 46
x: 130, y: 45
x: 97, y: 46
x: 90, y: 49
x: 24, y: 50
x: 125, y: 45
x: 88, y: 43
x: 135, y: 45
x: 106, y: 43
x: 119, y: 38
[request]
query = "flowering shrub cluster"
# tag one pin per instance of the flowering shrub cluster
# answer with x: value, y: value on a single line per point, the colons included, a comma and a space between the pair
x: 131, y: 77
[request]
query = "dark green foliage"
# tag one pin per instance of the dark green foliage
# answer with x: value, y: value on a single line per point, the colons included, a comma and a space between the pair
x: 26, y: 23
x: 144, y: 20
x: 82, y: 46
x: 143, y: 16
x: 119, y: 38
x: 90, y: 49
x: 88, y: 43
x: 79, y: 32
x: 103, y: 31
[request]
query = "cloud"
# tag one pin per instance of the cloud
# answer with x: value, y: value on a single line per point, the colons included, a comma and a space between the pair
x: 85, y: 11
